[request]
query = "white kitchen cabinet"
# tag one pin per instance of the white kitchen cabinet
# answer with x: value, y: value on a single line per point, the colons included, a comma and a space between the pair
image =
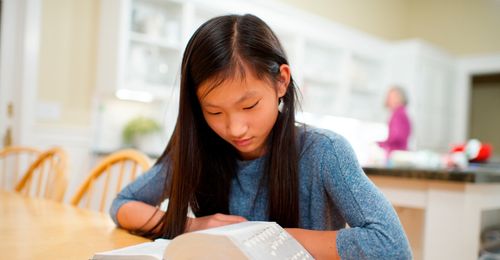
x: 335, y: 78
x: 322, y: 77
x: 140, y: 47
x: 141, y: 44
x: 366, y: 84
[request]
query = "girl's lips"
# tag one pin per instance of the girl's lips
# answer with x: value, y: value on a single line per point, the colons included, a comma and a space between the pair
x: 243, y: 142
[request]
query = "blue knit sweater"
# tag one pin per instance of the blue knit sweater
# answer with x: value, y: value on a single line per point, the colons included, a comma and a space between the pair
x: 333, y: 191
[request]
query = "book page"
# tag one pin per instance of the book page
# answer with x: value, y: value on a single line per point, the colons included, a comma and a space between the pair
x: 149, y: 250
x: 203, y: 246
x: 246, y: 240
x: 268, y: 240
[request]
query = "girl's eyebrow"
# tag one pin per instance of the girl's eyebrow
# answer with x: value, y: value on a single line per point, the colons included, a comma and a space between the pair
x: 246, y: 96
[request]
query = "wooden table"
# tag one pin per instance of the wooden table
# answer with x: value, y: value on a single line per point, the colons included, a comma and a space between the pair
x: 41, y: 229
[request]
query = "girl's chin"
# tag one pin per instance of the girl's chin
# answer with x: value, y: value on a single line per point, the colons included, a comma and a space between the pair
x: 250, y: 154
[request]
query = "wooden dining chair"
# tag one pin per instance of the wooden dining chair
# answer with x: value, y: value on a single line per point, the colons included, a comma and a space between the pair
x: 14, y: 161
x: 46, y: 176
x: 115, y: 170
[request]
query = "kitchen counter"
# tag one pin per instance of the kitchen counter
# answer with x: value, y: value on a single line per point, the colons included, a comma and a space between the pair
x: 476, y: 173
x: 452, y: 205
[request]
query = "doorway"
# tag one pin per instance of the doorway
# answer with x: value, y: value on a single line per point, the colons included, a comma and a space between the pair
x: 484, y: 116
x: 19, y: 33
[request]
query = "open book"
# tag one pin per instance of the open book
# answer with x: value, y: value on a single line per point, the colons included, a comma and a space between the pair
x: 246, y: 240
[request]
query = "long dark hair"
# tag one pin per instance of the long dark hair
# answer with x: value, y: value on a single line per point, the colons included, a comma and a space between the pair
x: 200, y: 164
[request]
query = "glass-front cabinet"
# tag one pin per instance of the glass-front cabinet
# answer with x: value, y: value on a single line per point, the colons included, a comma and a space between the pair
x: 146, y: 55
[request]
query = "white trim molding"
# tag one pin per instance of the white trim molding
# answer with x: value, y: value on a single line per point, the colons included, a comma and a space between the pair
x: 19, y: 65
x: 468, y: 67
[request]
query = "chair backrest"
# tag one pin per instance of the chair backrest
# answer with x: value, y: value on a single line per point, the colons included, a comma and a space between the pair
x: 117, y: 169
x: 46, y: 176
x: 14, y: 161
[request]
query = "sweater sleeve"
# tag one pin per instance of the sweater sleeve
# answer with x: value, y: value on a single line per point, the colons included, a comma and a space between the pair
x: 147, y: 188
x: 375, y: 231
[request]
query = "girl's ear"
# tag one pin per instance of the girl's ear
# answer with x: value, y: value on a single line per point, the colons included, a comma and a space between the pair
x: 284, y: 80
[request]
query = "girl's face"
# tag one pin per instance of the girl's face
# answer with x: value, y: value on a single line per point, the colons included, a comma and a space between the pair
x: 243, y: 111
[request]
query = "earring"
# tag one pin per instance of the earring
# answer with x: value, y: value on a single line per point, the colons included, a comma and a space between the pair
x: 281, y: 105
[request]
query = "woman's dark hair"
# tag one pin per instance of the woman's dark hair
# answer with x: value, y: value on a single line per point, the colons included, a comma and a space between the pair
x: 199, y: 163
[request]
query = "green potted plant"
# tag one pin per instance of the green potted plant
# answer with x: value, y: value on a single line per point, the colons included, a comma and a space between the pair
x: 142, y: 133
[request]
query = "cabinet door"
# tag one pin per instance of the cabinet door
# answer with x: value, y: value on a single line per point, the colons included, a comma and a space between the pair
x: 365, y: 76
x: 323, y: 68
x: 140, y: 47
x: 433, y: 102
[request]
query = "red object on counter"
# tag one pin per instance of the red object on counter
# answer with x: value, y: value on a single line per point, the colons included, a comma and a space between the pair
x: 458, y: 148
x: 484, y: 153
x: 475, y: 150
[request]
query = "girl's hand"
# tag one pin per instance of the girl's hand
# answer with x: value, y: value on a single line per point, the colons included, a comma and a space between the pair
x: 211, y: 221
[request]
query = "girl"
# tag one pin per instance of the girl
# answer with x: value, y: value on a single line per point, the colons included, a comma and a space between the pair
x: 238, y: 154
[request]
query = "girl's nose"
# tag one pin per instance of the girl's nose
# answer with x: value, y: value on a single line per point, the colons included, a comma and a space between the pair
x: 237, y: 127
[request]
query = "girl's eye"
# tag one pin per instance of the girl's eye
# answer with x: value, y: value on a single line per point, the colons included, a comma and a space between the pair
x: 213, y: 113
x: 252, y: 106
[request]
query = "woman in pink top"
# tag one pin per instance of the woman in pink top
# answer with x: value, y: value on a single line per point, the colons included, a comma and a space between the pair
x: 399, y: 123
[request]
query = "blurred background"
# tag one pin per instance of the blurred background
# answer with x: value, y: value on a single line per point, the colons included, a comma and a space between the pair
x: 96, y: 76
